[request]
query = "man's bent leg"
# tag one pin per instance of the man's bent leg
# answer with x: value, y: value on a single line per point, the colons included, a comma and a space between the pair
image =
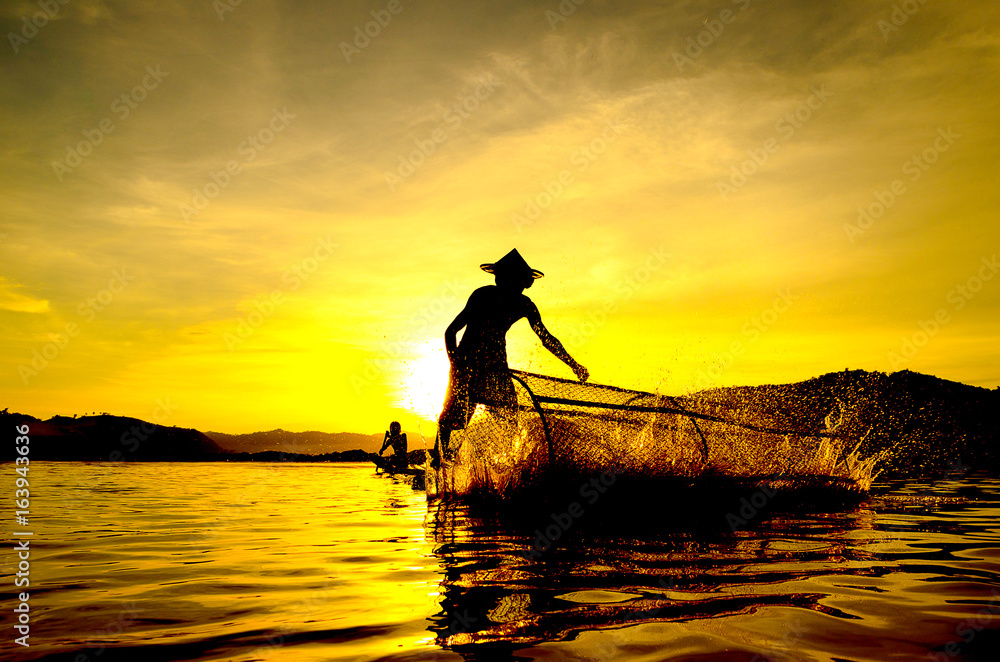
x: 442, y: 450
x: 436, y: 453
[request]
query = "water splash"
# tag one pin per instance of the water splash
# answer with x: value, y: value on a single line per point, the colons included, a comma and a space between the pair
x: 504, y: 453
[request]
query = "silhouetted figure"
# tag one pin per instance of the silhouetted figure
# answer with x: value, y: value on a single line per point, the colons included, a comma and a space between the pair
x: 395, y: 438
x: 479, y: 372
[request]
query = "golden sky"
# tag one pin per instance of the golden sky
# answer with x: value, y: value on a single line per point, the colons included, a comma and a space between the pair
x: 260, y: 216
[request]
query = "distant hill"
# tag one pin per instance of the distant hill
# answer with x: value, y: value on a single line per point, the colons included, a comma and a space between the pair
x: 106, y: 437
x: 313, y: 443
x: 119, y: 438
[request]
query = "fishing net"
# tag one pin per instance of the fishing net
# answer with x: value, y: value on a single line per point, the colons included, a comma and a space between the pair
x: 565, y: 427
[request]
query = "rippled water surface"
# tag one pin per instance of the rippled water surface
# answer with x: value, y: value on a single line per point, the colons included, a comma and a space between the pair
x: 214, y: 561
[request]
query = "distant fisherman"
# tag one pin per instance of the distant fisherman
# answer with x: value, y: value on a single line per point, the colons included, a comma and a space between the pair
x: 395, y: 438
x: 479, y: 372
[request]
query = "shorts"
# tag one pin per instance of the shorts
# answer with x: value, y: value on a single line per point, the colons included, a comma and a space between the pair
x: 467, y: 387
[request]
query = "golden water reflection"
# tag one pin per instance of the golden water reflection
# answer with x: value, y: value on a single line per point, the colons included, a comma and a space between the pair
x: 246, y: 561
x: 900, y: 575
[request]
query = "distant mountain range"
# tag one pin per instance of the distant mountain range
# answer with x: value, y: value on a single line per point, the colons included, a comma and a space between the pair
x: 313, y: 443
x: 931, y: 426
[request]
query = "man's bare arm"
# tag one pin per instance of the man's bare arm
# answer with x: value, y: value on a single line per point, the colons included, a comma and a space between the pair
x: 451, y: 333
x: 551, y: 343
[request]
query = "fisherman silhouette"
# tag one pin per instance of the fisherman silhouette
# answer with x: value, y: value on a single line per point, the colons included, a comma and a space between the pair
x: 479, y: 372
x: 395, y: 438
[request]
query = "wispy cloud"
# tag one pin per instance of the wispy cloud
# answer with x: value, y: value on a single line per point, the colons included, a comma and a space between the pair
x: 13, y: 300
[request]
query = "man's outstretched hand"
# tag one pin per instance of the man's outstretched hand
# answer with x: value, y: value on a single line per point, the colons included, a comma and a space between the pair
x: 581, y: 373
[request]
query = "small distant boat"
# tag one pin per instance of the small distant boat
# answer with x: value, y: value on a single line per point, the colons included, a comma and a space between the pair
x: 387, y: 465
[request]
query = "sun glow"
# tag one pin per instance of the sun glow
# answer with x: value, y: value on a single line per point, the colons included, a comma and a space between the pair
x: 423, y: 388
